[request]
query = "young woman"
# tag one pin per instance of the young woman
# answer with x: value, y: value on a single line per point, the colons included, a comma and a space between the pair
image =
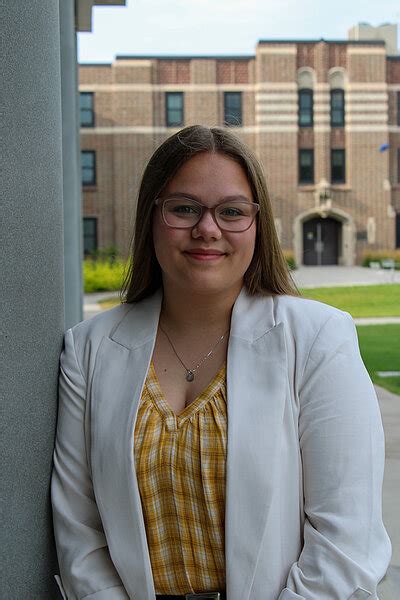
x: 218, y: 435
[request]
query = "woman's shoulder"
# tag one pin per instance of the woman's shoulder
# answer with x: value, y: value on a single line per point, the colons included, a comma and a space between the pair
x: 305, y: 316
x: 125, y: 314
x: 125, y: 323
x: 102, y: 323
x: 301, y: 318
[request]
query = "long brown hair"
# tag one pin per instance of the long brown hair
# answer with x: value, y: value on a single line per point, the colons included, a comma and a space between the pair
x: 267, y: 273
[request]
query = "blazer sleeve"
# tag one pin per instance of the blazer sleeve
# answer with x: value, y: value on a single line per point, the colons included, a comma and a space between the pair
x: 346, y: 549
x: 84, y: 560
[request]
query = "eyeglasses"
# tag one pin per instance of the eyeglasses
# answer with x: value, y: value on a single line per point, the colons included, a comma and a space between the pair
x: 181, y: 213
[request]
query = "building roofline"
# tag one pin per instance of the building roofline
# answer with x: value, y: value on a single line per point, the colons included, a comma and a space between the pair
x: 94, y: 64
x: 349, y: 42
x: 238, y: 56
x: 185, y: 57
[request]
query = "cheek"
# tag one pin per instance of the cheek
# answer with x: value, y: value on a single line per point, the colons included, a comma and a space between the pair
x: 246, y: 246
x: 252, y: 238
x: 161, y: 234
x: 159, y: 241
x: 165, y: 240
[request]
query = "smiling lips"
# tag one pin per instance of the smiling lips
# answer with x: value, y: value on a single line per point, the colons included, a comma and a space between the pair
x: 204, y: 255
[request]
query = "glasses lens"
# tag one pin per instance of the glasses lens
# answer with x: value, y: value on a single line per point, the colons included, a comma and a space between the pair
x: 181, y: 212
x: 236, y: 216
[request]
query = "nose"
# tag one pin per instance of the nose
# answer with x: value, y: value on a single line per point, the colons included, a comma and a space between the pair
x: 206, y: 228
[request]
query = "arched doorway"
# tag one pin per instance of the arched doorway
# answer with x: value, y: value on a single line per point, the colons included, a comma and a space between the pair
x: 321, y: 241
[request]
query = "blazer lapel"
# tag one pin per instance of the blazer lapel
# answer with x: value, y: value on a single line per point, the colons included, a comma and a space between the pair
x: 256, y: 391
x: 121, y: 366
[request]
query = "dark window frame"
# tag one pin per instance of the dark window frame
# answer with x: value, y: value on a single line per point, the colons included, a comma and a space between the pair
x: 306, y: 93
x: 85, y: 237
x: 90, y: 110
x: 93, y: 179
x: 337, y: 92
x: 303, y: 180
x: 335, y: 152
x: 168, y: 120
x: 233, y: 120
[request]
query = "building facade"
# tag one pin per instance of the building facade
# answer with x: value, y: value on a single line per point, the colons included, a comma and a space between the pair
x: 322, y: 116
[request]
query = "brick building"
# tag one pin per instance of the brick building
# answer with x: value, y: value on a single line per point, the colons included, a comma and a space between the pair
x: 323, y: 117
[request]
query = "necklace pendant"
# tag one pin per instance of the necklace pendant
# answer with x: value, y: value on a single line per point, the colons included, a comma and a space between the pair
x: 189, y: 376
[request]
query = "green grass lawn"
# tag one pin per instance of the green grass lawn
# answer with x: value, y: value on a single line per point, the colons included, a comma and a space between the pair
x: 380, y: 350
x: 360, y: 301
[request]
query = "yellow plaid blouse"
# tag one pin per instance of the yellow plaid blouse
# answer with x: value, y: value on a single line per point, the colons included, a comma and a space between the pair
x: 180, y: 467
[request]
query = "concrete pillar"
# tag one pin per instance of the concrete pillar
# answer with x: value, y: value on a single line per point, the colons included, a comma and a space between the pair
x: 31, y: 291
x: 71, y: 167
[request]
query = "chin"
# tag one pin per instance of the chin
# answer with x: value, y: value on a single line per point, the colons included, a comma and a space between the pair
x: 204, y: 286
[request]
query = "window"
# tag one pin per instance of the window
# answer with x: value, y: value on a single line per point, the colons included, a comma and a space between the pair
x: 174, y: 109
x: 338, y: 166
x: 89, y: 235
x: 233, y: 108
x: 88, y: 163
x: 337, y: 108
x: 86, y: 109
x: 305, y: 108
x: 306, y: 166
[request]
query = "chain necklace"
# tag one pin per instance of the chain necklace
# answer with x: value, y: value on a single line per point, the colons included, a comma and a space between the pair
x: 191, y: 372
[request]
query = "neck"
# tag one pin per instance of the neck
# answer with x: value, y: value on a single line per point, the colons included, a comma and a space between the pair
x: 190, y: 312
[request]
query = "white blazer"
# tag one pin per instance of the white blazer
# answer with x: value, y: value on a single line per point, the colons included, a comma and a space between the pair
x: 305, y: 456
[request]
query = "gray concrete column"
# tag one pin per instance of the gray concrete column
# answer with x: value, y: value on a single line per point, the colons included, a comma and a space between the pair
x: 31, y: 291
x: 71, y: 167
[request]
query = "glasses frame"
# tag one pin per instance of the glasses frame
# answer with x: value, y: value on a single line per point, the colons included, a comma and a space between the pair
x: 161, y: 202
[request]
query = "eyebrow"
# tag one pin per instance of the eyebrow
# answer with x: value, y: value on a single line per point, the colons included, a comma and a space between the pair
x: 194, y: 197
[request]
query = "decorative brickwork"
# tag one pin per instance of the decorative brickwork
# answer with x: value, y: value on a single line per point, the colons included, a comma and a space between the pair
x: 173, y: 71
x: 225, y: 71
x: 241, y: 70
x: 337, y: 55
x: 393, y: 70
x: 305, y: 55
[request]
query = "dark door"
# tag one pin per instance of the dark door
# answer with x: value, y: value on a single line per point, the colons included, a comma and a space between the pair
x: 321, y: 241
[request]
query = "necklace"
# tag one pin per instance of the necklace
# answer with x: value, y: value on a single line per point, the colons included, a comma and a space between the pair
x: 191, y: 372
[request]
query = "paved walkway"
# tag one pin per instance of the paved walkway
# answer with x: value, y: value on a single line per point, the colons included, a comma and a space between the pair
x: 332, y: 275
x: 389, y: 403
x: 91, y: 304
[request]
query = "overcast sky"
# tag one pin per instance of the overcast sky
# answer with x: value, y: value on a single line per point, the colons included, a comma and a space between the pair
x: 182, y: 27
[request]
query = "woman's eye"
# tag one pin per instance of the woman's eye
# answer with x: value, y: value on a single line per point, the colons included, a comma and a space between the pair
x: 185, y: 209
x: 231, y: 212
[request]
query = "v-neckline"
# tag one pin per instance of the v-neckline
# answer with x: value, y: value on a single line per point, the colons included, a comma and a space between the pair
x: 166, y: 410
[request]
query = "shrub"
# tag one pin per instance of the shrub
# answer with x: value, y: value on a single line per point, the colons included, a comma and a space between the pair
x: 289, y: 257
x: 380, y: 255
x: 103, y: 275
x: 108, y: 254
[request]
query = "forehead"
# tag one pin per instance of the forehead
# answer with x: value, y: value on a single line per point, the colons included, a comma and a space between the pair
x: 210, y: 176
